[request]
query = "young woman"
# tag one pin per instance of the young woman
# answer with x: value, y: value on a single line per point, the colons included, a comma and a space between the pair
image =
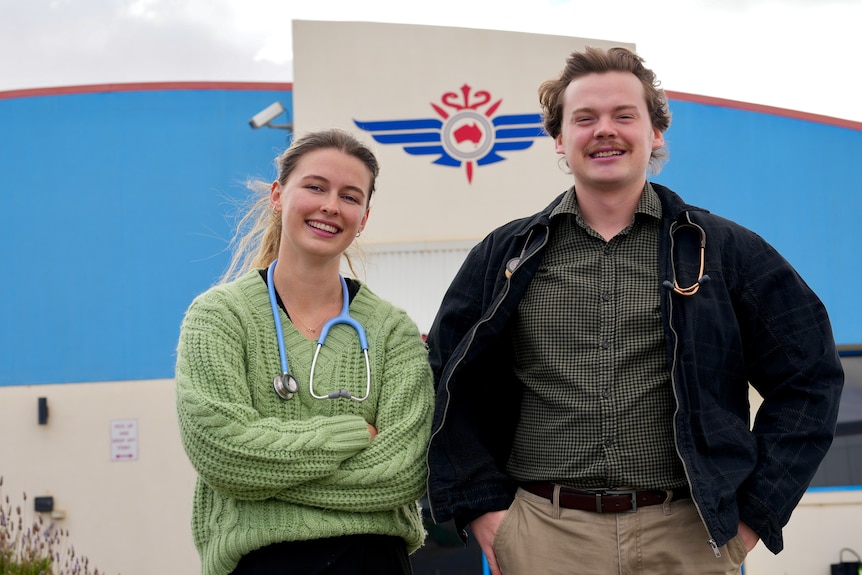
x: 304, y: 400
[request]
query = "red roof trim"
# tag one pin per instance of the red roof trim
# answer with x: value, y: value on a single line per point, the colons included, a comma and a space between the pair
x: 288, y: 86
x: 144, y: 86
x: 710, y: 101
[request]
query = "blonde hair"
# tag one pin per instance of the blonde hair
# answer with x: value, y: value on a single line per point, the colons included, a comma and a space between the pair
x: 257, y: 238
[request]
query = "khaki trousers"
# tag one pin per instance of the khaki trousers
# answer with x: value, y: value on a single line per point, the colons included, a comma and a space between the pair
x: 538, y: 537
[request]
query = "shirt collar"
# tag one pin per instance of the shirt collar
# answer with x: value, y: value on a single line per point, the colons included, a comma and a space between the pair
x: 648, y: 204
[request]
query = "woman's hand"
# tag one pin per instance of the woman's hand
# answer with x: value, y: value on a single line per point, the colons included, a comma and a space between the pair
x: 372, y: 430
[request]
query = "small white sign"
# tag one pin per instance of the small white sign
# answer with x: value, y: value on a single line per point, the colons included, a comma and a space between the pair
x: 124, y: 440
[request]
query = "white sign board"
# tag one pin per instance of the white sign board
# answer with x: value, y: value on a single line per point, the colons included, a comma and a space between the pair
x: 452, y: 113
x: 124, y: 440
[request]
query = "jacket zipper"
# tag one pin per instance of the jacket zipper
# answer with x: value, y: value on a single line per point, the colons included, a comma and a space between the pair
x: 711, y: 541
x: 467, y: 348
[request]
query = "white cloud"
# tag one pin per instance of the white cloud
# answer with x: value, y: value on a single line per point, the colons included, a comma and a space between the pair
x: 785, y: 53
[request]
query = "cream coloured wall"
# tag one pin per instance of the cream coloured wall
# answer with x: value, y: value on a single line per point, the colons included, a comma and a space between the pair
x: 376, y: 72
x: 822, y: 524
x: 132, y: 517
x: 129, y: 517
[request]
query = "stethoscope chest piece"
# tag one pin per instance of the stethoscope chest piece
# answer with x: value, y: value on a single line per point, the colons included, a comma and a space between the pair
x: 285, y: 385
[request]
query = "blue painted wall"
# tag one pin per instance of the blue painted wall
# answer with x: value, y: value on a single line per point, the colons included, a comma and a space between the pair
x: 113, y: 214
x: 796, y: 183
x: 112, y: 218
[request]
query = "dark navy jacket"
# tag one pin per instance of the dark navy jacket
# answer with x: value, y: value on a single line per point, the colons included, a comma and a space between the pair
x: 755, y: 320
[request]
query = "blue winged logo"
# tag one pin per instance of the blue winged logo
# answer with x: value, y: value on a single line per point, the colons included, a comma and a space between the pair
x: 466, y: 135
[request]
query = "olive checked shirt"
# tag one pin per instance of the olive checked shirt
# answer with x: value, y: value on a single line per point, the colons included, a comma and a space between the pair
x: 597, y: 408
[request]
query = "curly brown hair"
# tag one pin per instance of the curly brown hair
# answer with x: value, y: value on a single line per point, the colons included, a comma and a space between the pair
x: 598, y: 61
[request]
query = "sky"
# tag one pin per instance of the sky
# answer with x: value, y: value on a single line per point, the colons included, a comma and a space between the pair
x: 795, y: 54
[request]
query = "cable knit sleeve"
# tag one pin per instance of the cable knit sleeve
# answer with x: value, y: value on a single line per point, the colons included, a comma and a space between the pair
x: 235, y: 448
x: 392, y: 470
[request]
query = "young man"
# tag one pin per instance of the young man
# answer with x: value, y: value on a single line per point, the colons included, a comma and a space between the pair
x: 593, y: 362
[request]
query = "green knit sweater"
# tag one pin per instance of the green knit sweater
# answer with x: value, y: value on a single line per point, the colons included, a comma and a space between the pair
x: 271, y: 470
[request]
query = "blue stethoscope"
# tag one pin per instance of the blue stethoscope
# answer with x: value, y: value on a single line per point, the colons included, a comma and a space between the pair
x: 285, y: 384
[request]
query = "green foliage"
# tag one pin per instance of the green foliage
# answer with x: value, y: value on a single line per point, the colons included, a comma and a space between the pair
x: 31, y: 548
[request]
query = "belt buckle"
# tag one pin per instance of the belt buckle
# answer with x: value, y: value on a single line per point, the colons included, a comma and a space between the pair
x: 632, y: 494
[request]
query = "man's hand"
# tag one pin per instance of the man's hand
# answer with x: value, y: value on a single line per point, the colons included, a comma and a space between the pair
x: 484, y: 530
x: 749, y: 537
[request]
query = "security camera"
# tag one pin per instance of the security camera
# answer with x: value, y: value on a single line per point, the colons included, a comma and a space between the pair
x: 267, y: 115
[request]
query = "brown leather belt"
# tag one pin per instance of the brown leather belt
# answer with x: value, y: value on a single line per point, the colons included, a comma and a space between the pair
x: 608, y: 501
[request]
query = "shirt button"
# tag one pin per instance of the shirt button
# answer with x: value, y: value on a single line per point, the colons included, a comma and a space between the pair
x: 606, y: 345
x: 606, y: 296
x: 606, y: 394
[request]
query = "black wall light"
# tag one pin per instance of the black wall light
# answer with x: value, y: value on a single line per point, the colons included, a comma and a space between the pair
x: 43, y: 411
x: 44, y: 504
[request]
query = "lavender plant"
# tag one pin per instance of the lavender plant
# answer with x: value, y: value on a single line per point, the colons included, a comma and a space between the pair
x: 32, y: 548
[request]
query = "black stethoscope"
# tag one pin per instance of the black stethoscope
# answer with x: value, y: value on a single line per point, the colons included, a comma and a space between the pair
x: 702, y: 278
x: 285, y: 384
x: 675, y: 227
